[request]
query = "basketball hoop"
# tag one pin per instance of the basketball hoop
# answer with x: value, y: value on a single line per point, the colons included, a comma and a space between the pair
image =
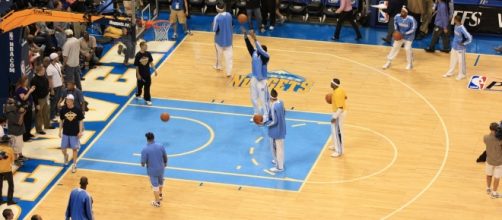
x: 161, y: 27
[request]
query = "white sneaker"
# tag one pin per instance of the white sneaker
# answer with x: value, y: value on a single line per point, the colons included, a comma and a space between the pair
x: 460, y: 77
x: 149, y: 103
x: 409, y: 66
x: 155, y: 204
x: 386, y: 65
x: 447, y: 75
x: 275, y: 170
x: 495, y: 195
x: 219, y: 68
x: 74, y: 168
x: 271, y: 28
x: 336, y: 154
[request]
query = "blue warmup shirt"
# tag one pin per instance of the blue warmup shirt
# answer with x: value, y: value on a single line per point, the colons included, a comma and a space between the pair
x: 222, y: 26
x: 277, y: 124
x: 259, y: 61
x: 442, y: 16
x: 406, y: 26
x: 153, y: 156
x: 79, y: 205
x: 178, y: 4
x: 461, y: 38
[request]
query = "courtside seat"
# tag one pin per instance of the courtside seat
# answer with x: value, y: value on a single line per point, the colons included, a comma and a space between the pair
x: 315, y: 8
x: 299, y: 7
x: 197, y: 5
x: 211, y: 5
x: 240, y: 7
x: 284, y: 7
x: 330, y: 7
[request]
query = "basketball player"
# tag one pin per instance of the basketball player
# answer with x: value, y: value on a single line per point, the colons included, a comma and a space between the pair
x: 259, y: 90
x: 338, y: 99
x: 71, y: 129
x: 154, y: 157
x: 80, y: 202
x: 460, y: 39
x: 222, y: 26
x: 277, y: 131
x: 143, y: 62
x: 406, y: 26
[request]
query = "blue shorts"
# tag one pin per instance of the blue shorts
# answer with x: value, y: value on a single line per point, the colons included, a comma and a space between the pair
x: 157, y: 180
x: 70, y: 142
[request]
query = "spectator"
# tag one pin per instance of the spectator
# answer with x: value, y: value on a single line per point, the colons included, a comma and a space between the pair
x: 129, y: 49
x: 7, y: 157
x: 493, y: 160
x: 71, y: 59
x: 60, y: 27
x: 55, y: 82
x: 426, y: 18
x: 36, y: 217
x: 179, y: 13
x: 24, y: 96
x: 345, y: 13
x: 15, y: 120
x: 253, y: 8
x: 268, y: 11
x: 87, y: 49
x: 40, y: 98
x: 80, y: 202
x: 416, y: 9
x: 46, y: 62
x: 71, y: 129
x: 77, y: 6
x: 393, y: 8
x: 8, y: 214
x: 77, y: 94
x: 442, y: 27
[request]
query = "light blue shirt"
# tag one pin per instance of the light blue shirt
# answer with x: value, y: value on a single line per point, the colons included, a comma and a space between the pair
x: 222, y: 26
x: 406, y: 26
x: 277, y: 123
x: 79, y: 205
x: 259, y: 69
x: 153, y: 157
x: 461, y: 38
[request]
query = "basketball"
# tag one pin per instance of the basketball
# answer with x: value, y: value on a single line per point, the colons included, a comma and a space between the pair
x: 258, y: 119
x: 328, y: 98
x: 242, y: 18
x: 397, y: 36
x: 164, y: 116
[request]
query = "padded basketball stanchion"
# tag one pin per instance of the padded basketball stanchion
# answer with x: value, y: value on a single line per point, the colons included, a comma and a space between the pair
x: 161, y: 28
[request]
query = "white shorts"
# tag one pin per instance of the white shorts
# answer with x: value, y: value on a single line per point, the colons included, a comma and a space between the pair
x: 495, y: 171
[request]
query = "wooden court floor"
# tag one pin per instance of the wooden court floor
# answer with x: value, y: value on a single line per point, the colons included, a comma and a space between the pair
x: 412, y: 138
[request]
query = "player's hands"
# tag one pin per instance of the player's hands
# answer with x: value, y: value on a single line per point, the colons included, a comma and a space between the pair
x: 333, y: 120
x: 32, y: 88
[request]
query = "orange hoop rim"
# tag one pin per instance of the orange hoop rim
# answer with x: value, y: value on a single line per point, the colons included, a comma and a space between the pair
x: 156, y: 22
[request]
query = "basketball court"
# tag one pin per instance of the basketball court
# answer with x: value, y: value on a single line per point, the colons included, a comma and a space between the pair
x: 411, y: 137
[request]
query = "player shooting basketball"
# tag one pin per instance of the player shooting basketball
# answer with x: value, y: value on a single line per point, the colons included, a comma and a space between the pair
x: 259, y: 90
x: 405, y: 27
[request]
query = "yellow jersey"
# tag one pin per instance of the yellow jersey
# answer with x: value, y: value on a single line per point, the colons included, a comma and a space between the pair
x: 6, y: 165
x: 338, y: 99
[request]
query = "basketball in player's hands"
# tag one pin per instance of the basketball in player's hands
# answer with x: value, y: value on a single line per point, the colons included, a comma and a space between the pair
x: 397, y: 36
x: 258, y: 119
x: 328, y: 98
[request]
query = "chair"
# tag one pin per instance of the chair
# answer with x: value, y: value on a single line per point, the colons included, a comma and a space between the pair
x: 315, y: 8
x: 197, y: 5
x: 299, y: 7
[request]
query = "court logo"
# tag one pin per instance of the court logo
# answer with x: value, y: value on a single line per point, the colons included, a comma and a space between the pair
x: 278, y: 79
x: 485, y: 83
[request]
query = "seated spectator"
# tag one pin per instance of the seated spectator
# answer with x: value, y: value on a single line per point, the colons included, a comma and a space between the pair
x: 55, y: 76
x: 88, y: 49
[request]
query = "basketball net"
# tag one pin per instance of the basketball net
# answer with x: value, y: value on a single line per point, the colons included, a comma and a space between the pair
x: 161, y: 27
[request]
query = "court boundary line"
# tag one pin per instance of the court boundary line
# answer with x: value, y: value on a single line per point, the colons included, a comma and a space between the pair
x: 100, y: 133
x: 427, y: 102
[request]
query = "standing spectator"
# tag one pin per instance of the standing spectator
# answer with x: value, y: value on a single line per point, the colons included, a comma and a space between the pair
x: 277, y: 131
x: 6, y: 160
x: 60, y: 27
x: 71, y: 58
x: 16, y: 128
x: 460, y: 39
x: 80, y: 203
x: 416, y: 9
x: 71, y: 129
x: 268, y: 12
x: 493, y: 160
x: 345, y: 13
x: 222, y: 27
x: 426, y: 18
x: 24, y: 96
x: 253, y: 8
x: 154, y: 157
x: 406, y: 26
x: 40, y: 98
x: 8, y: 214
x: 87, y: 49
x: 143, y: 63
x: 338, y: 118
x: 442, y: 27
x: 393, y: 8
x: 127, y: 40
x: 55, y: 76
x: 77, y: 94
x: 179, y: 13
